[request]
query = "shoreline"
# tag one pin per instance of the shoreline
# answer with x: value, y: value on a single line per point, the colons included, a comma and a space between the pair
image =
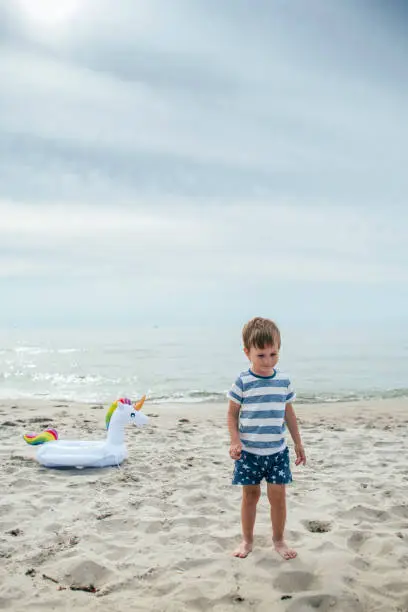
x: 400, y: 393
x: 399, y: 406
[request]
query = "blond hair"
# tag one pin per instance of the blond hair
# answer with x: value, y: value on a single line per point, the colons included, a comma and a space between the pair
x: 260, y: 332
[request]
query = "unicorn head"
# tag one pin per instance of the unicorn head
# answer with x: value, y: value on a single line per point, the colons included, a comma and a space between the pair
x: 124, y: 411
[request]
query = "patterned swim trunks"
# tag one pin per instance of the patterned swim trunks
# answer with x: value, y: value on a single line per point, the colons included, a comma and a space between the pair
x: 251, y: 469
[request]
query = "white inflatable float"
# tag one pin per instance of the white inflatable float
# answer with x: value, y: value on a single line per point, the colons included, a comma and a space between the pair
x: 111, y: 451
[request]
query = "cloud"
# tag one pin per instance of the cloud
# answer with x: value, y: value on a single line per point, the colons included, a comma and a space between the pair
x: 143, y: 98
x: 179, y: 150
x: 276, y: 243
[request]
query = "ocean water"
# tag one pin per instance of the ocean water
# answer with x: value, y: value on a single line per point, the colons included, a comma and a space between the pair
x: 198, y: 364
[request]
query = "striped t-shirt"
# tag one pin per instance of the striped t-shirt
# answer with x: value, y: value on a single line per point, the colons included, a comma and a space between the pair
x: 261, y: 419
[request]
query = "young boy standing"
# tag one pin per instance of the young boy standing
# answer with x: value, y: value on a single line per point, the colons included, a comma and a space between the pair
x: 260, y: 404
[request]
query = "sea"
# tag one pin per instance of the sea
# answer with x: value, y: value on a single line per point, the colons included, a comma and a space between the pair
x: 199, y: 364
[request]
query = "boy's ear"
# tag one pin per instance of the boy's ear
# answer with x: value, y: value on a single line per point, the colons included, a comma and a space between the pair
x: 246, y: 351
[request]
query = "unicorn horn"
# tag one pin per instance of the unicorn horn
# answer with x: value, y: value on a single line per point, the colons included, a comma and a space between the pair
x: 138, y: 405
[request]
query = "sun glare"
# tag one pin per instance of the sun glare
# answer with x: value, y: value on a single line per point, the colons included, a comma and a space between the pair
x: 48, y: 13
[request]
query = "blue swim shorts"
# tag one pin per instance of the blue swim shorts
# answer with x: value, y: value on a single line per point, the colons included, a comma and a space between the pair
x: 251, y: 469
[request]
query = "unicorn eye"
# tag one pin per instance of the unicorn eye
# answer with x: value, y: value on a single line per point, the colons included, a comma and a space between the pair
x: 133, y: 414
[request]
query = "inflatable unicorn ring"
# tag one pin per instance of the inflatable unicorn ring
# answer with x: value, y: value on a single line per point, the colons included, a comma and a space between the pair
x: 55, y: 453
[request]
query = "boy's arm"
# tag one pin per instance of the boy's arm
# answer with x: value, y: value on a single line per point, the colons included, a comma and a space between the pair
x: 291, y: 422
x: 233, y: 419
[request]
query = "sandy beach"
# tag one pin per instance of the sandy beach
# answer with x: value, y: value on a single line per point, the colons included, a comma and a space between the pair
x: 157, y: 534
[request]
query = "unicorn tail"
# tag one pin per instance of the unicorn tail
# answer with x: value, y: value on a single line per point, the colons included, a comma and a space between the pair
x: 46, y: 436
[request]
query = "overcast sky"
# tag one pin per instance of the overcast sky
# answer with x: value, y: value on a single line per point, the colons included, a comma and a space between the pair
x: 202, y: 160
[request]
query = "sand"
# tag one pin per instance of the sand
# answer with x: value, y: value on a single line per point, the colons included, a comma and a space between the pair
x: 157, y: 533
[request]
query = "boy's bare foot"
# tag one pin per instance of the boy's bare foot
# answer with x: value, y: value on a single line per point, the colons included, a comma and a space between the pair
x: 243, y: 550
x: 283, y: 549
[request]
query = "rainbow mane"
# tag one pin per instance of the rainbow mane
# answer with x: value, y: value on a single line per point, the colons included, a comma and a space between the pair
x: 46, y: 436
x: 110, y: 412
x: 112, y: 409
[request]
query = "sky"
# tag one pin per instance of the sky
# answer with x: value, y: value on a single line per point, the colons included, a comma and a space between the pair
x: 199, y: 161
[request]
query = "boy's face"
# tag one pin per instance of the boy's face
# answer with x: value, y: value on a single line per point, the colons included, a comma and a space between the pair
x: 263, y: 360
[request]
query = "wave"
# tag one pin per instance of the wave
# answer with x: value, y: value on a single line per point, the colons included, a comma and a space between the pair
x: 302, y: 398
x: 38, y: 350
x: 95, y: 387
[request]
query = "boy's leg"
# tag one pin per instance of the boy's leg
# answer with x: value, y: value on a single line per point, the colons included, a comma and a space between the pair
x: 250, y: 497
x: 277, y: 500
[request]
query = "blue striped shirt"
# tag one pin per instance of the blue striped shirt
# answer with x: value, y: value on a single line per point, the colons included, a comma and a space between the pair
x: 262, y: 415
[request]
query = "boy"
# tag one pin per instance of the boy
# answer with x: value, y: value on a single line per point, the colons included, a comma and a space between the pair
x: 260, y: 405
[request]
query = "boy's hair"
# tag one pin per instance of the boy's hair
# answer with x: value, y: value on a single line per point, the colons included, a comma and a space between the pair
x: 259, y: 332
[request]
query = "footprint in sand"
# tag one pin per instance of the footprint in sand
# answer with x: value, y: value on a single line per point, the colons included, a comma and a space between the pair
x: 360, y: 564
x: 295, y: 582
x: 80, y: 571
x: 401, y: 511
x: 357, y: 540
x: 325, y: 603
x: 362, y: 513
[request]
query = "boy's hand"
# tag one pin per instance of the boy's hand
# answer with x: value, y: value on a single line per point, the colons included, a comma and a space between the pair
x: 300, y: 455
x: 235, y: 450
